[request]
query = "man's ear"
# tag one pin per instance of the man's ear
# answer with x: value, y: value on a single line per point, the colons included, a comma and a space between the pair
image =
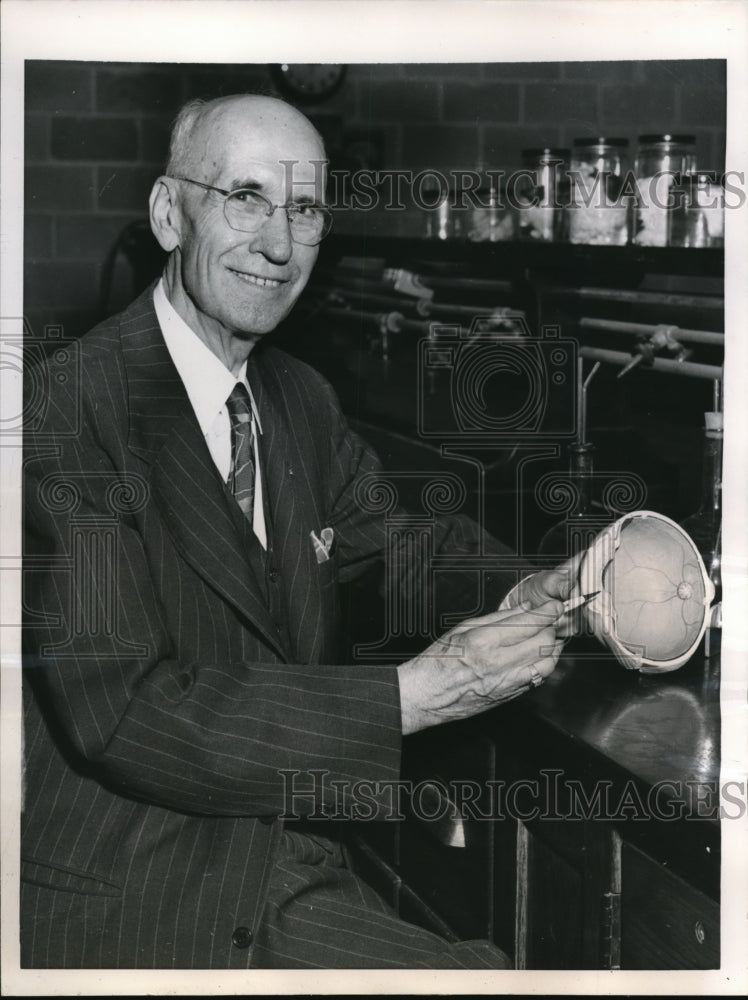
x: 164, y: 213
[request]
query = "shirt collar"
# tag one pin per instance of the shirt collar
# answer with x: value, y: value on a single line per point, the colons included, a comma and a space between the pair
x: 207, y: 380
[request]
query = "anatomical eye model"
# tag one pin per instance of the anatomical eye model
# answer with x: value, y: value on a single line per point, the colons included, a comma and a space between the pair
x: 654, y: 592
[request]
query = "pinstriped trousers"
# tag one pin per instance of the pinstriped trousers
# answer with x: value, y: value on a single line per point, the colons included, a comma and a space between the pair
x: 321, y: 915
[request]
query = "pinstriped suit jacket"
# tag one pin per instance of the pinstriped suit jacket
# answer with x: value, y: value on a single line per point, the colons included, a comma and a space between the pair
x: 168, y: 675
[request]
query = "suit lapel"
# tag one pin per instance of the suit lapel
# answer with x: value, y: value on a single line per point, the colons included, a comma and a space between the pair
x: 186, y: 485
x: 294, y: 510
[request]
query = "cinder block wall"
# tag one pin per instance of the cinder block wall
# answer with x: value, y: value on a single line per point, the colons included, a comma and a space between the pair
x: 96, y: 137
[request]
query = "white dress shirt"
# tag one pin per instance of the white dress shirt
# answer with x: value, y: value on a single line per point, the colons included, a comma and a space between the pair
x: 209, y: 384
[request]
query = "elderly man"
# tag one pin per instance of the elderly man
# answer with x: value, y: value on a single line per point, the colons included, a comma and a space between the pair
x: 202, y: 485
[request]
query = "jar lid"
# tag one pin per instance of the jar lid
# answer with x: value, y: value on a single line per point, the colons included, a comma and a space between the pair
x: 546, y: 153
x: 667, y: 138
x: 601, y: 141
x: 713, y: 421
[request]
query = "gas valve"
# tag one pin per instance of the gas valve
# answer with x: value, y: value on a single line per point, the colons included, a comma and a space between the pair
x: 645, y: 350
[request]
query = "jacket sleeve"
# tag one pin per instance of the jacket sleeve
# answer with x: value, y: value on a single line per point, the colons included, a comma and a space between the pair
x: 222, y: 737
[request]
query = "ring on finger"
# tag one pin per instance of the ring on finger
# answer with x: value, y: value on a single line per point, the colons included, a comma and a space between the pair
x: 536, y: 678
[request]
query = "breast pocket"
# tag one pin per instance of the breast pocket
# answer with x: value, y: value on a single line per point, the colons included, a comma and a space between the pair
x: 65, y: 879
x: 327, y: 572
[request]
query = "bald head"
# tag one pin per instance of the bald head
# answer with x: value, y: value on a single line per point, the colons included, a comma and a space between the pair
x: 201, y: 126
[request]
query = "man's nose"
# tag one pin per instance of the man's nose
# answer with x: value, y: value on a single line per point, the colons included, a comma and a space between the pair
x: 273, y: 238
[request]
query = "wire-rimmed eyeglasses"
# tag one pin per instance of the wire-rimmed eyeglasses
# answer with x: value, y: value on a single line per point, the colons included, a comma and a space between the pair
x: 246, y: 210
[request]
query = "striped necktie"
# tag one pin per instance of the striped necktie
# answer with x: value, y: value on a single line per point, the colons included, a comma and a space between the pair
x: 242, y: 475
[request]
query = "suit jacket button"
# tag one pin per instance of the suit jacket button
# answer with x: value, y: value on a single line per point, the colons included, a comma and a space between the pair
x: 184, y: 680
x: 242, y: 937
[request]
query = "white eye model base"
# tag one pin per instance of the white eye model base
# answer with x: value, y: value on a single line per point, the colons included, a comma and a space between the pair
x: 654, y: 592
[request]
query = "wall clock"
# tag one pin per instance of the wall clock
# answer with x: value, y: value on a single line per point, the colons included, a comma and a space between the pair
x: 308, y: 83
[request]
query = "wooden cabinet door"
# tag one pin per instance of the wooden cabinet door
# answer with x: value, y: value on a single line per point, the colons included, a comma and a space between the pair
x: 566, y: 877
x: 665, y: 922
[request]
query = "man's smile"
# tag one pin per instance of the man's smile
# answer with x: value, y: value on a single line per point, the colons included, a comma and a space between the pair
x: 258, y: 279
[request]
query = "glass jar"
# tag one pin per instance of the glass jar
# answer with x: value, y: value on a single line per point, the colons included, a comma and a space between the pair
x: 491, y: 217
x: 444, y: 220
x: 659, y: 158
x: 541, y: 194
x: 598, y: 207
x: 698, y: 215
x: 444, y: 211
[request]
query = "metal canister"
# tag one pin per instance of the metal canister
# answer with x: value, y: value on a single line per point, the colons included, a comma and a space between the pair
x: 659, y: 159
x: 598, y: 205
x: 698, y: 214
x: 541, y: 194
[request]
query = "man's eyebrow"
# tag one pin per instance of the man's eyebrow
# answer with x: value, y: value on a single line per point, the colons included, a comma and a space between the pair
x: 242, y: 185
x: 307, y: 199
x: 304, y: 198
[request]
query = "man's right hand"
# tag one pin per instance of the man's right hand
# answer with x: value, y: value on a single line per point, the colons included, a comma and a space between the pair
x: 478, y: 664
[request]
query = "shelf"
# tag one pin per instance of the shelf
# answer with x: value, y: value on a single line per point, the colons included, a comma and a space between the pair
x: 480, y: 258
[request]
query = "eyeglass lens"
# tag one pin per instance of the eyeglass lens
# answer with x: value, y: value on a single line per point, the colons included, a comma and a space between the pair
x: 247, y: 210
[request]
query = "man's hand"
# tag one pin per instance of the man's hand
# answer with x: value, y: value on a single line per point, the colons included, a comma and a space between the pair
x: 557, y: 584
x: 481, y: 662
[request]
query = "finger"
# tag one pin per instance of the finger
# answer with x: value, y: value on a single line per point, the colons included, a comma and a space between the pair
x: 556, y: 584
x: 509, y: 629
x: 531, y: 675
x: 525, y: 650
x: 509, y: 682
x: 569, y: 624
x: 540, y: 615
x: 531, y: 620
x: 541, y: 670
x: 571, y: 566
x: 513, y: 638
x: 550, y: 649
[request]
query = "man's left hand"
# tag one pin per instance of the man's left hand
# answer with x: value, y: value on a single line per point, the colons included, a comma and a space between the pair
x: 557, y: 584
